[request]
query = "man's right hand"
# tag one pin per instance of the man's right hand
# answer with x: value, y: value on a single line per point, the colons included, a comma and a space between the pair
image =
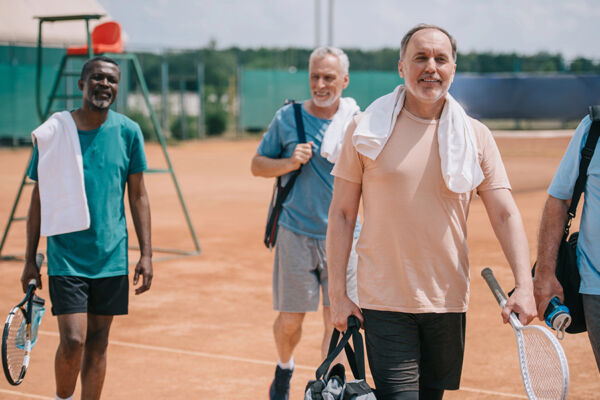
x: 341, y: 309
x: 30, y: 271
x: 545, y: 287
x: 302, y: 154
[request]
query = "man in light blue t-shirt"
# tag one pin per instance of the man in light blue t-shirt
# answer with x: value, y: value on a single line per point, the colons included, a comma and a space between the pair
x: 88, y: 269
x: 300, y: 267
x: 588, y: 250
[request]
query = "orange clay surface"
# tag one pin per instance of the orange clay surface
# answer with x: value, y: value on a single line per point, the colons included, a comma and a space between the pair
x: 204, y: 330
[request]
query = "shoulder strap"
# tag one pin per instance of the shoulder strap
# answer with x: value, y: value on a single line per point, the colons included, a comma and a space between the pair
x: 586, y: 157
x: 299, y: 122
x: 284, y: 191
x: 302, y: 139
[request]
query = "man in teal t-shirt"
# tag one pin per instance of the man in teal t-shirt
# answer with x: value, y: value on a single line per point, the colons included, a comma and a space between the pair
x: 88, y: 269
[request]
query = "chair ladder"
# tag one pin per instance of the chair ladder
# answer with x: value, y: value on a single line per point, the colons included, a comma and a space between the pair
x: 43, y: 114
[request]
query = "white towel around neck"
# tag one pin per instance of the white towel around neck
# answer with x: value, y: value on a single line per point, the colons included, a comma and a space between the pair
x: 64, y: 206
x: 456, y: 139
x: 334, y: 135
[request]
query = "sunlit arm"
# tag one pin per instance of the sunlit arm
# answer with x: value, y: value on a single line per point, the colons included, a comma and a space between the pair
x: 508, y: 227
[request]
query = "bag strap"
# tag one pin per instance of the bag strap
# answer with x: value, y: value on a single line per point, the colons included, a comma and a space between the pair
x: 356, y: 358
x: 299, y: 122
x: 283, y: 191
x: 586, y: 157
x: 336, y: 345
x: 301, y: 139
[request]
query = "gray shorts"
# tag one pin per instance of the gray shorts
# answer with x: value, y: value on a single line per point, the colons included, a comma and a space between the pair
x: 300, y: 270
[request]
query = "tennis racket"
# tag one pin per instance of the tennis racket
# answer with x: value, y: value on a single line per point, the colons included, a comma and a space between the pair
x: 544, y: 367
x: 18, y: 333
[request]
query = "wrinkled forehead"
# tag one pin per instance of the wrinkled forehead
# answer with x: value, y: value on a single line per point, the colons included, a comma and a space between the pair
x: 429, y: 40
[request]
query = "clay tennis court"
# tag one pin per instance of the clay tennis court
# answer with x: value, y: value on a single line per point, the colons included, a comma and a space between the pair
x: 204, y: 329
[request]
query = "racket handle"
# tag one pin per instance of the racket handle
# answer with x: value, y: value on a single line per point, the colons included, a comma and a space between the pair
x: 490, y: 279
x: 39, y: 259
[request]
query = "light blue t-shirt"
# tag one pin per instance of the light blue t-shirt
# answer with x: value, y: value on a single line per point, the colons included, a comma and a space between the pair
x: 306, y: 208
x: 588, y: 245
x: 110, y: 154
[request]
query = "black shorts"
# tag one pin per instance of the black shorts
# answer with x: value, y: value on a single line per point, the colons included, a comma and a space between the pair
x: 406, y: 351
x: 102, y: 296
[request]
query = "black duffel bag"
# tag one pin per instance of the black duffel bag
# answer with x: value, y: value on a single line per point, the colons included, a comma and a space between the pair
x: 567, y: 275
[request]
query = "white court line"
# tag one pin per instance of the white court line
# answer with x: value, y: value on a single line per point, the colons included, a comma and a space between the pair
x: 253, y: 361
x: 187, y: 352
x: 28, y: 395
x: 482, y: 391
x: 533, y: 134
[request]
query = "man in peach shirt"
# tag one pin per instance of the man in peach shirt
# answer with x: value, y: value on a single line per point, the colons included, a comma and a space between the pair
x: 413, y: 270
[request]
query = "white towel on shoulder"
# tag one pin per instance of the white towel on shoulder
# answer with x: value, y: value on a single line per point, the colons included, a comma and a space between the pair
x: 64, y: 206
x: 456, y: 139
x: 334, y: 135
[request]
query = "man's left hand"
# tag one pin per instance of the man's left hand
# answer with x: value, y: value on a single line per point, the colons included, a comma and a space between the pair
x: 522, y: 303
x: 143, y: 268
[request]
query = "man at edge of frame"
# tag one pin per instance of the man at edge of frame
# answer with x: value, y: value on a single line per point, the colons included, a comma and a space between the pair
x: 415, y: 158
x: 551, y: 230
x: 87, y: 251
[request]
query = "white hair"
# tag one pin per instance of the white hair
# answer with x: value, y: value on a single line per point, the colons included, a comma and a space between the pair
x: 321, y: 52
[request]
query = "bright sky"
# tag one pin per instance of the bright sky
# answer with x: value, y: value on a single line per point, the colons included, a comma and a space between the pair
x: 571, y: 27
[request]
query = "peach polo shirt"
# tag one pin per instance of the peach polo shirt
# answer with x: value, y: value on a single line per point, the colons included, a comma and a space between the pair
x: 412, y: 250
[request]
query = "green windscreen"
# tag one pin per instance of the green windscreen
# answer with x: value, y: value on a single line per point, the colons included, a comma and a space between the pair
x: 264, y: 91
x: 18, y: 113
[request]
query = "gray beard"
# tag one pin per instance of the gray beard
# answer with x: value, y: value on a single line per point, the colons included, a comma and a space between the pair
x: 326, y: 103
x: 101, y: 104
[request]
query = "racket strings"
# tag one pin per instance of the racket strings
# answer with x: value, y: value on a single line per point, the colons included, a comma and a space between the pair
x: 544, y: 365
x: 15, y: 344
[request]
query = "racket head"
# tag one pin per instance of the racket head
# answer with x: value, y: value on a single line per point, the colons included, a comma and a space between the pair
x: 543, y: 363
x: 16, y: 345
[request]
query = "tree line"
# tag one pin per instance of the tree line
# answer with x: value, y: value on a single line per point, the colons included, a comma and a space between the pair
x: 220, y: 66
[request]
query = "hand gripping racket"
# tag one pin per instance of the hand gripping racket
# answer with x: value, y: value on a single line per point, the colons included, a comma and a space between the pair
x: 19, y: 336
x: 543, y: 363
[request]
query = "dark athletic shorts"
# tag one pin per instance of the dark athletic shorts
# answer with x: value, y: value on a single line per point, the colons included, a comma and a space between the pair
x: 406, y: 351
x: 102, y: 296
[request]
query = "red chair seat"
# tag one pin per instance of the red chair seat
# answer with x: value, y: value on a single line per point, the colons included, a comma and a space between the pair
x: 106, y: 38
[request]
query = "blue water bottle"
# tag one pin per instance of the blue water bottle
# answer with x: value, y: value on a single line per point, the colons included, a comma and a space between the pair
x: 557, y: 317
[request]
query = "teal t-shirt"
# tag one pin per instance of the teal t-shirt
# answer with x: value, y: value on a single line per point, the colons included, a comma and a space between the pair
x: 110, y: 154
x: 305, y: 210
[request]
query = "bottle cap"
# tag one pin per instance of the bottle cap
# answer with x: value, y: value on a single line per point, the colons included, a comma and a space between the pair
x: 560, y: 323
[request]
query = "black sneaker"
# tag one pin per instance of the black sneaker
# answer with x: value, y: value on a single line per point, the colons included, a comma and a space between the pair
x: 280, y: 387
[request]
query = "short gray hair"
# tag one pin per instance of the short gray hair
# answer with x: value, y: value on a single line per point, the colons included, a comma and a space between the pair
x: 321, y: 52
x: 409, y: 35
